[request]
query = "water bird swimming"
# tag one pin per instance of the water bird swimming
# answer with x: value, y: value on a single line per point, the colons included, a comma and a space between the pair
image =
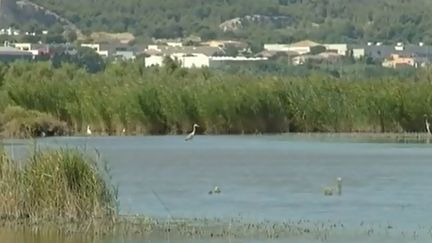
x: 329, y: 190
x: 192, y: 134
x: 216, y: 190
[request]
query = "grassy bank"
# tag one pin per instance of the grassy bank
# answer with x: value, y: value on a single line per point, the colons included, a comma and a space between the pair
x: 169, y: 100
x: 54, y: 186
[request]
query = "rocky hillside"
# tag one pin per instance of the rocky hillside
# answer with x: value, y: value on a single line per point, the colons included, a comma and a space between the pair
x: 254, y: 20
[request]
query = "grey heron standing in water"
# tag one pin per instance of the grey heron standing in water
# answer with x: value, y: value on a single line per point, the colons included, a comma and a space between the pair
x: 192, y: 134
x: 427, y: 124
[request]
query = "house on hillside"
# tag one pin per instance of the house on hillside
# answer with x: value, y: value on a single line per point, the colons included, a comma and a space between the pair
x: 377, y: 52
x: 225, y: 60
x: 154, y: 61
x: 97, y: 48
x: 169, y: 50
x: 381, y: 52
x: 195, y: 60
x: 116, y: 50
x: 357, y: 53
x: 187, y: 56
x: 192, y: 60
x: 341, y: 49
x: 301, y: 47
x: 226, y: 44
x: 275, y: 55
x: 10, y: 54
x: 124, y: 55
x: 326, y: 57
x: 35, y: 49
x: 397, y: 61
x: 193, y: 56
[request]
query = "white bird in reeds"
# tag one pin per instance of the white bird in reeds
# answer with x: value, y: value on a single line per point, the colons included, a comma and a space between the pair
x: 192, y: 134
x: 89, y: 132
x: 427, y: 124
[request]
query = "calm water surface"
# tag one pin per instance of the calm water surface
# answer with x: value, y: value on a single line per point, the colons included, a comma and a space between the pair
x: 277, y: 178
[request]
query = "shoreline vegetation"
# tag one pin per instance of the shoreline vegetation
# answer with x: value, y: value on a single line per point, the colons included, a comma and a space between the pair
x: 36, y: 99
x: 58, y: 186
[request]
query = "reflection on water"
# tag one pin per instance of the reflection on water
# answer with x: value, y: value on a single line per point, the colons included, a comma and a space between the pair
x: 278, y: 178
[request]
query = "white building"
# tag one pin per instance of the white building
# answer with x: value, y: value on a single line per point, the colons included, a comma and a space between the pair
x: 341, y: 49
x: 358, y: 53
x: 329, y: 57
x: 399, y: 46
x: 174, y: 44
x: 238, y: 59
x: 277, y: 47
x: 301, y: 47
x: 97, y: 48
x: 195, y: 60
x: 35, y: 49
x: 125, y: 55
x: 226, y: 60
x: 304, y: 47
x: 154, y: 60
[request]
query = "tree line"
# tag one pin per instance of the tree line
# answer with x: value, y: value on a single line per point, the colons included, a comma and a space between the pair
x: 326, y: 20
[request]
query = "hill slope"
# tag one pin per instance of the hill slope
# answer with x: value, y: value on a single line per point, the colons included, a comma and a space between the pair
x: 324, y: 20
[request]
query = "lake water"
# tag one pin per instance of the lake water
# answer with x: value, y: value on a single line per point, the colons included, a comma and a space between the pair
x: 277, y: 178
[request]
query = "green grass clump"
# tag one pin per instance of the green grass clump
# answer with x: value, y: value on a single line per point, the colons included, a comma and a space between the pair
x: 55, y: 186
x: 18, y: 122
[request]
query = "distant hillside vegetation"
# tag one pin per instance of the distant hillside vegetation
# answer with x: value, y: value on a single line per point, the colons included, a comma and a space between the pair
x: 320, y: 20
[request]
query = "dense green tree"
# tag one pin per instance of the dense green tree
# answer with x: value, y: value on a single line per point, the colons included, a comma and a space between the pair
x: 84, y: 57
x: 89, y: 59
x: 70, y: 35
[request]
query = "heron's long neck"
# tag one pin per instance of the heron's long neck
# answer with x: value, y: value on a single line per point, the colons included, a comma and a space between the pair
x: 193, y: 131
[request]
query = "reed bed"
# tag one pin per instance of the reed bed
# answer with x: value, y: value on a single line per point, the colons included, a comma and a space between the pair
x: 56, y: 186
x: 169, y: 100
x: 19, y: 122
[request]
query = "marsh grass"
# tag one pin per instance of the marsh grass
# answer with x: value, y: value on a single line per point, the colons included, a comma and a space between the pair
x: 18, y: 122
x: 56, y: 186
x: 160, y: 101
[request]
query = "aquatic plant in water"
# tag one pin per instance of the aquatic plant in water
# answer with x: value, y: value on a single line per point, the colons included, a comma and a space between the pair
x: 56, y: 186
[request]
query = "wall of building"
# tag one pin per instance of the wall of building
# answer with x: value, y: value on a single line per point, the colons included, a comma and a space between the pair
x: 192, y: 60
x: 153, y: 61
